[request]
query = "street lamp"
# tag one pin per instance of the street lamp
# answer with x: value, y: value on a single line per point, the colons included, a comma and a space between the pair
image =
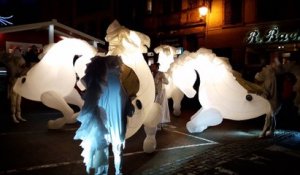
x: 203, y: 10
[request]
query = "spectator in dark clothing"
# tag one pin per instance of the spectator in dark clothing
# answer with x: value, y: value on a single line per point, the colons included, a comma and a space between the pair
x: 31, y: 57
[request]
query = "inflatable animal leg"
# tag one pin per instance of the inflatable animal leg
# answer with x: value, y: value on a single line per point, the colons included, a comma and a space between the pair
x: 177, y: 98
x: 56, y: 101
x: 75, y: 99
x: 155, y: 116
x: 150, y: 127
x: 204, y: 118
x: 149, y: 144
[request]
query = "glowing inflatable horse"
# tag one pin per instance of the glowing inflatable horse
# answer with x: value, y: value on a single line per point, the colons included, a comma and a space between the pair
x: 220, y: 94
x: 52, y: 80
x: 166, y: 60
x: 130, y: 45
x: 168, y: 65
x: 165, y: 56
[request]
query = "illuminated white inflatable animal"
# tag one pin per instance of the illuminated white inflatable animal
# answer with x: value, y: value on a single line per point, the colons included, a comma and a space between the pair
x: 131, y: 45
x: 220, y: 94
x: 52, y: 80
x: 167, y: 65
x: 166, y: 60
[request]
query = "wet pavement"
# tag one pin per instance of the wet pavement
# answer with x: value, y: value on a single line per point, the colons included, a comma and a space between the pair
x: 233, y: 147
x: 246, y: 157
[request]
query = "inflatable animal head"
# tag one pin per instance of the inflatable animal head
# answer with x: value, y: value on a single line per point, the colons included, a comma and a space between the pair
x: 183, y: 75
x: 165, y: 56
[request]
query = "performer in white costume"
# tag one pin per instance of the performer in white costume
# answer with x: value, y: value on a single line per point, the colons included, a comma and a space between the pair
x: 160, y: 81
x: 104, y: 114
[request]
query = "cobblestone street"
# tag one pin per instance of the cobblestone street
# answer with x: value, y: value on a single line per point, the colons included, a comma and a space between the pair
x: 233, y: 147
x: 217, y: 160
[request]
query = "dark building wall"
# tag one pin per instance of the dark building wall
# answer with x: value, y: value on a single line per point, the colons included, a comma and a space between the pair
x: 225, y: 28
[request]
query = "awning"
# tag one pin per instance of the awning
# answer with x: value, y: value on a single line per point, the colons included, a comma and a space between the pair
x: 54, y: 27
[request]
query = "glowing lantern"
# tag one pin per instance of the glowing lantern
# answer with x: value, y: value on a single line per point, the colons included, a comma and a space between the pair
x: 203, y: 10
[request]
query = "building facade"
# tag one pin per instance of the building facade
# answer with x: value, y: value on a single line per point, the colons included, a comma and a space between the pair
x: 249, y: 32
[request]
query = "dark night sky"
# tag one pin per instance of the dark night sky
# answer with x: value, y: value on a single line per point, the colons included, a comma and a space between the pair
x: 32, y: 11
x: 24, y: 11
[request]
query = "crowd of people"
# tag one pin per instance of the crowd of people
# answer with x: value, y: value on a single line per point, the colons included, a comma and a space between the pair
x: 17, y: 62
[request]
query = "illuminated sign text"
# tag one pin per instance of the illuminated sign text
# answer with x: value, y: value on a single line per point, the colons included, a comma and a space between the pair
x: 272, y: 36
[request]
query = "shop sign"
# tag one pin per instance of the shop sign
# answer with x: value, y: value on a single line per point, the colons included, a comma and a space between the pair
x: 272, y: 36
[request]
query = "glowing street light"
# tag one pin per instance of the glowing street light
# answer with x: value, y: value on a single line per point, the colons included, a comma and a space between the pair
x: 203, y: 10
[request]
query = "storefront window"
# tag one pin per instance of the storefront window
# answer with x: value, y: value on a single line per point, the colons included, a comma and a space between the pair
x: 278, y: 10
x: 233, y: 10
